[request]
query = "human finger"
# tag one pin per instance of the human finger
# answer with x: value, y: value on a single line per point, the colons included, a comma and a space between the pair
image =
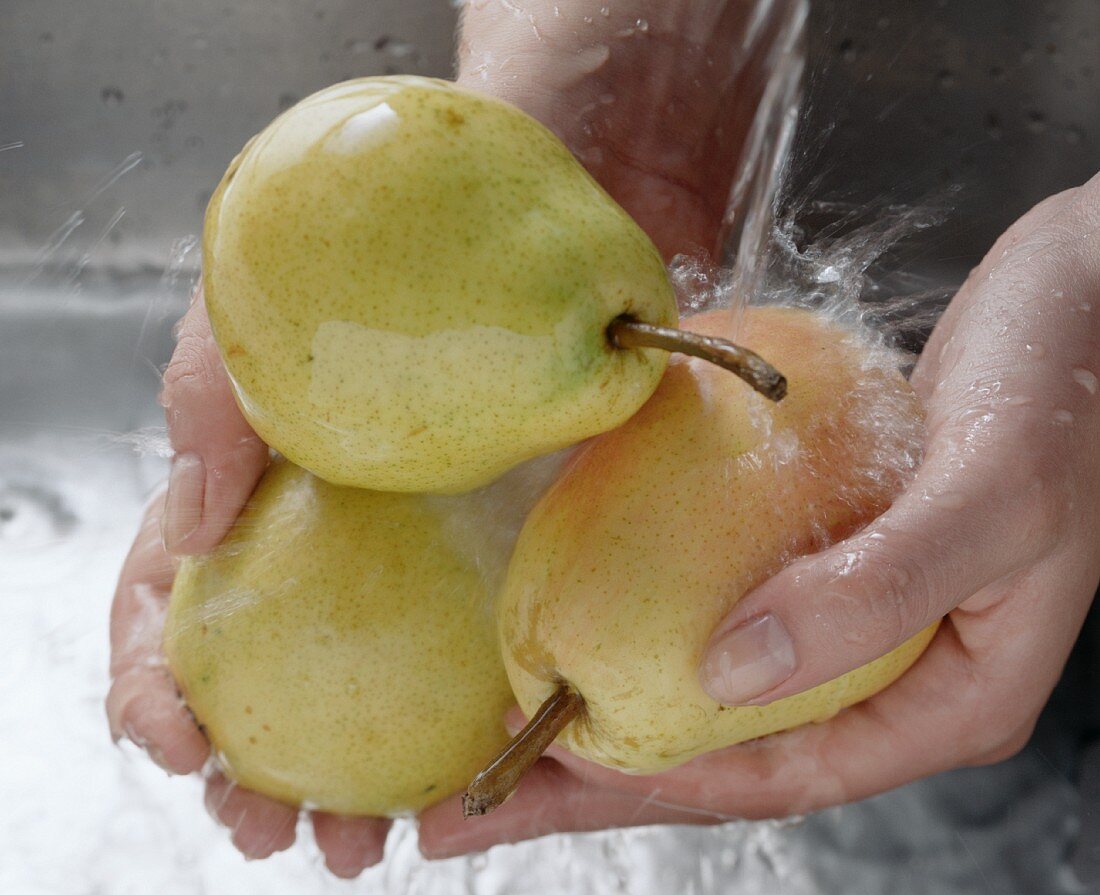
x: 350, y: 844
x: 143, y: 703
x: 551, y: 799
x: 259, y: 826
x: 218, y: 457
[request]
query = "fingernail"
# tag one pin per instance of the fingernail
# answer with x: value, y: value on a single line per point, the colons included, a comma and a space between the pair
x: 183, y: 505
x: 748, y: 661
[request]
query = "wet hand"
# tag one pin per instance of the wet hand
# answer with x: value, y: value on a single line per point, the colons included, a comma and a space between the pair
x: 144, y: 706
x: 654, y: 97
x: 997, y: 533
x: 636, y: 94
x: 218, y: 460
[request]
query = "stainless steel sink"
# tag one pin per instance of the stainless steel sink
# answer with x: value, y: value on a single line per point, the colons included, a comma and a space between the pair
x: 115, y: 121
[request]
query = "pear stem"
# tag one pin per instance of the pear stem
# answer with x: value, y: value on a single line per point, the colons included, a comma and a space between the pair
x: 626, y: 332
x: 492, y: 786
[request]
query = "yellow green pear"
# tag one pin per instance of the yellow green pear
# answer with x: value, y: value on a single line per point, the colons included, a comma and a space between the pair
x: 339, y: 648
x: 655, y: 530
x: 411, y: 286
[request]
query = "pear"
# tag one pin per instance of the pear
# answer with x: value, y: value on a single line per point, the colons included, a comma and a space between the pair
x: 339, y: 648
x: 415, y: 287
x: 655, y: 530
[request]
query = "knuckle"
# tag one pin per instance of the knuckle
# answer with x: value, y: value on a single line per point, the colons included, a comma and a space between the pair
x: 1082, y: 212
x: 891, y: 603
x: 900, y: 604
x: 192, y: 367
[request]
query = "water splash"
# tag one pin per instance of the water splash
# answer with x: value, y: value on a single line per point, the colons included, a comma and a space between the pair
x: 72, y: 246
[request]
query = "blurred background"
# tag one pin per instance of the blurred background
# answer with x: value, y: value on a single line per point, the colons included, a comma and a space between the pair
x: 117, y: 120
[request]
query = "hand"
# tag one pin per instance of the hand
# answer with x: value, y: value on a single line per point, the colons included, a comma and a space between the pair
x: 681, y: 71
x: 997, y: 533
x: 655, y: 97
x: 143, y: 704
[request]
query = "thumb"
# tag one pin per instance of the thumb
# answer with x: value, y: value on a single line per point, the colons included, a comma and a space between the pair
x: 828, y: 614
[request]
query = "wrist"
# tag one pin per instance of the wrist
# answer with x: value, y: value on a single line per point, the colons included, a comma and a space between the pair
x: 654, y: 98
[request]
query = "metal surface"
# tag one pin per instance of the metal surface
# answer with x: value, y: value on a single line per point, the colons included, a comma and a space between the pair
x: 981, y: 107
x: 183, y: 83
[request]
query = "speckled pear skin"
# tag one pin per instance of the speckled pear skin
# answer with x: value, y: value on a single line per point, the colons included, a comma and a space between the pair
x: 410, y: 284
x: 656, y: 529
x: 339, y: 651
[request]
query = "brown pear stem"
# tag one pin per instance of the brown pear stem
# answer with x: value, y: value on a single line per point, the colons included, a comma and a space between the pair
x: 626, y: 332
x: 491, y: 787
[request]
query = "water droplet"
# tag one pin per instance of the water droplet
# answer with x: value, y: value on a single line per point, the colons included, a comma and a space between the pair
x: 1086, y: 379
x: 847, y: 50
x: 1036, y: 349
x: 605, y: 11
x: 592, y: 58
x: 1019, y: 401
x: 1063, y: 416
x: 352, y: 688
x: 642, y: 25
x: 946, y: 80
x: 1085, y: 306
x: 111, y: 96
x: 1057, y: 293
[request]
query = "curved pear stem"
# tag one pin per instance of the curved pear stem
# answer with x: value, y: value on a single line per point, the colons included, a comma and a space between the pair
x: 490, y: 788
x: 626, y: 332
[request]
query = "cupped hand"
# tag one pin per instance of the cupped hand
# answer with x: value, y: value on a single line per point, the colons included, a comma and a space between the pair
x: 997, y: 533
x: 218, y: 460
x: 654, y: 98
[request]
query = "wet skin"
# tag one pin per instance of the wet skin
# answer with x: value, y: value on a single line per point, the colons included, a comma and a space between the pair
x: 996, y: 531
